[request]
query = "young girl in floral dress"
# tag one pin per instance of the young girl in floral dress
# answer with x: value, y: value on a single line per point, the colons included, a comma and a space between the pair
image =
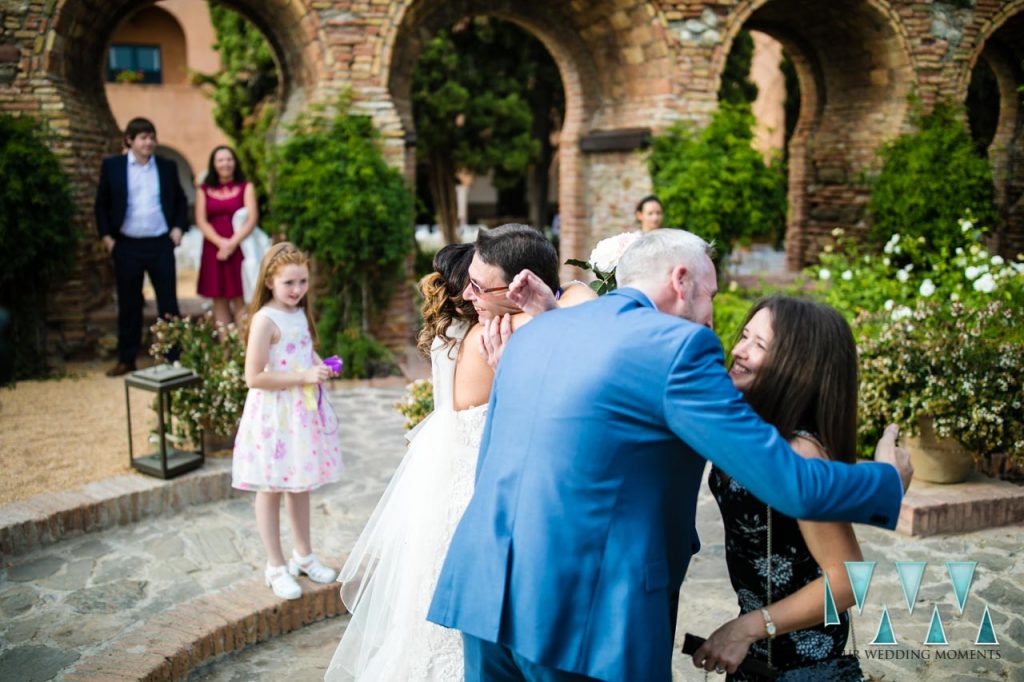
x: 287, y: 443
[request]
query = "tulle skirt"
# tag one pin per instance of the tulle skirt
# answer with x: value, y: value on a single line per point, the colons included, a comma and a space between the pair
x: 390, y: 576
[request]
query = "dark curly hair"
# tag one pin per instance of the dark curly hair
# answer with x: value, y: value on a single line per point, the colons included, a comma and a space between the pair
x: 442, y: 296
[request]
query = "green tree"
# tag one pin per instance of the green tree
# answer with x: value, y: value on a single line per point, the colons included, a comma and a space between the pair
x: 336, y: 198
x: 715, y: 184
x: 244, y: 92
x: 38, y: 236
x: 485, y: 95
x: 736, y: 86
x: 930, y: 178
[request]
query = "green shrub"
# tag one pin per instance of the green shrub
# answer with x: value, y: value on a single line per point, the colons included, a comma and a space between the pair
x: 715, y: 184
x: 929, y: 179
x: 336, y: 198
x: 938, y: 335
x: 215, y: 353
x: 37, y: 233
x: 364, y: 356
x: 417, y: 403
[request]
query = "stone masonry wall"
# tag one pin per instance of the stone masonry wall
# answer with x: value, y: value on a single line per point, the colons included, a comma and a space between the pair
x: 625, y: 65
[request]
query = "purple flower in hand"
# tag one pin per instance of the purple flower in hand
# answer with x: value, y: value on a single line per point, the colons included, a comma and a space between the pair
x: 335, y: 363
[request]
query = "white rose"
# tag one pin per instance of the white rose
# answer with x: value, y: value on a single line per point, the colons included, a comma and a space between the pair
x: 824, y: 274
x: 971, y: 272
x: 605, y: 256
x: 986, y: 284
x: 954, y: 297
x: 965, y: 225
x: 847, y: 275
x: 902, y: 275
x: 885, y: 261
x: 997, y: 260
x: 901, y: 313
x: 889, y: 303
x: 927, y: 288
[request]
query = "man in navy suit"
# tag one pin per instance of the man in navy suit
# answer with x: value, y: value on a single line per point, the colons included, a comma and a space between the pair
x: 600, y: 422
x: 141, y: 212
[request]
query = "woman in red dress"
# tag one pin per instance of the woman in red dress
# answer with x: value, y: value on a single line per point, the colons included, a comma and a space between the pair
x: 224, y: 191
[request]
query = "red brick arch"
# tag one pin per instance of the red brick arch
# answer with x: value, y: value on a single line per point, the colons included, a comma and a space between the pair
x: 612, y: 57
x: 855, y: 70
x: 1000, y: 42
x: 58, y: 79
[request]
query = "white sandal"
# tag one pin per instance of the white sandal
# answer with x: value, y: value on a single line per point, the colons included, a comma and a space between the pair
x: 281, y: 581
x: 312, y: 567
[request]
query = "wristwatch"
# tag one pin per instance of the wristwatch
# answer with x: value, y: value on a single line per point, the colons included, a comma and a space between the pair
x: 769, y: 626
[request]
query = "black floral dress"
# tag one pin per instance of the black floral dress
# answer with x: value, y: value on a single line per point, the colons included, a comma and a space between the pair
x: 793, y: 566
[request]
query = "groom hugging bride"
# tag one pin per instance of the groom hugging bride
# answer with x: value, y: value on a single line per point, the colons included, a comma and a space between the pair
x: 567, y: 561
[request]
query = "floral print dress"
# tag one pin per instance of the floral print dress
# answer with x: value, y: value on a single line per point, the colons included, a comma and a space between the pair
x: 287, y: 439
x: 746, y: 556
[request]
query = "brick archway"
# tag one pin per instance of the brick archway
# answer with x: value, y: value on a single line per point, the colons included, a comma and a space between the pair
x: 855, y: 71
x: 59, y: 80
x: 1000, y: 43
x: 613, y: 59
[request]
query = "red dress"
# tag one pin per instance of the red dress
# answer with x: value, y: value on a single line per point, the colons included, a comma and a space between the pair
x: 221, y: 279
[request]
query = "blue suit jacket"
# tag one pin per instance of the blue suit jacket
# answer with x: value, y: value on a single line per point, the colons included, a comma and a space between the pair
x: 112, y: 195
x: 582, y: 521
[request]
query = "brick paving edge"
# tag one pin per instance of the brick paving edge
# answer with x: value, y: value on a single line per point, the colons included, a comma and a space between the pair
x: 46, y: 519
x: 170, y: 645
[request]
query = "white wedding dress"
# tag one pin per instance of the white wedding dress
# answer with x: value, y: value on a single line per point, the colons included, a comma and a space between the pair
x: 390, y: 575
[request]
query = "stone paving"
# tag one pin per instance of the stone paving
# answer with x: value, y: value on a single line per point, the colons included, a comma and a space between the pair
x: 66, y: 601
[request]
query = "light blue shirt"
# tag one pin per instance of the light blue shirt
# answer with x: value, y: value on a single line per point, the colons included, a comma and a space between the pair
x: 144, y: 217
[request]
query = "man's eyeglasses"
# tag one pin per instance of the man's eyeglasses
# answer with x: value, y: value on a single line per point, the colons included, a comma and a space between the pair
x: 479, y: 291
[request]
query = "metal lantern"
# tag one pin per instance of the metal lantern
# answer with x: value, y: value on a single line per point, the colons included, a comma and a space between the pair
x: 163, y: 380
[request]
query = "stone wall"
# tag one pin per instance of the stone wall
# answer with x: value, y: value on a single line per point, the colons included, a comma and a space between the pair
x: 625, y: 65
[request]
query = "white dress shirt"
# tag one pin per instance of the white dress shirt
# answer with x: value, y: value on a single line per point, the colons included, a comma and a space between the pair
x: 144, y: 217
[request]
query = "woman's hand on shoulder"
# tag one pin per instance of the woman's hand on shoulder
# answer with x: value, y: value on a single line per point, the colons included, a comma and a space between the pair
x: 529, y: 293
x: 492, y: 337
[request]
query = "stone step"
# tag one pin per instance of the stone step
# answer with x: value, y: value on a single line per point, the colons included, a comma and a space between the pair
x: 173, y: 643
x: 45, y: 519
x: 977, y: 503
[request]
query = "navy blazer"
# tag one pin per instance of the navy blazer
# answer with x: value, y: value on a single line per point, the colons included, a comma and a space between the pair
x: 112, y: 195
x: 581, y: 526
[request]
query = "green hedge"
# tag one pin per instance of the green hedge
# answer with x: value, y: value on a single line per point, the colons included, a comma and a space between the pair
x: 38, y: 237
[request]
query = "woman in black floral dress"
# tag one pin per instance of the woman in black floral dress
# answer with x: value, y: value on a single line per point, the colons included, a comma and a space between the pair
x: 796, y: 363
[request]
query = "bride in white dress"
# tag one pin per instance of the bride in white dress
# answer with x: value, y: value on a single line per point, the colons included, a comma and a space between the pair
x: 390, y: 576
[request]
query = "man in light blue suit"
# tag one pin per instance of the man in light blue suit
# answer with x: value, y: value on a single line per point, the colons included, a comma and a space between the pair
x: 601, y: 419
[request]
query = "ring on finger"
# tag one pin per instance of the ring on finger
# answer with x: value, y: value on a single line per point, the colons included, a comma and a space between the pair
x: 719, y: 669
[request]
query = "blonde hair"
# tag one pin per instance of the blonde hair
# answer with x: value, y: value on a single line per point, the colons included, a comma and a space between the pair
x: 277, y: 257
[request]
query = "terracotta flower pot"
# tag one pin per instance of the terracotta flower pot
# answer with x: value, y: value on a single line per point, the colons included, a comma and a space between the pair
x: 935, y: 459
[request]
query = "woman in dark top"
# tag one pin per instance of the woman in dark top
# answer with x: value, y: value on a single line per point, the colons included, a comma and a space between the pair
x: 796, y: 363
x: 224, y: 191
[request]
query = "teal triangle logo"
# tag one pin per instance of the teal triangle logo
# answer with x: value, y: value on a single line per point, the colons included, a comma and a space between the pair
x: 885, y: 635
x: 911, y: 573
x: 859, y: 573
x: 936, y: 633
x: 961, y: 574
x: 986, y: 633
x: 831, y: 613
